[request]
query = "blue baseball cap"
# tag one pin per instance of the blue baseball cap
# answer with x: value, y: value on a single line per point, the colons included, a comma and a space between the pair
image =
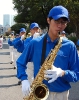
x: 22, y: 30
x: 58, y: 12
x: 33, y: 25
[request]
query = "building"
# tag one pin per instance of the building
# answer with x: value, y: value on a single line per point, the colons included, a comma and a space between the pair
x: 1, y: 29
x: 12, y: 22
x: 8, y: 20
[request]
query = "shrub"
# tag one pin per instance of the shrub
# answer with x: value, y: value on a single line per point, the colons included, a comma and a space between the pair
x: 74, y: 39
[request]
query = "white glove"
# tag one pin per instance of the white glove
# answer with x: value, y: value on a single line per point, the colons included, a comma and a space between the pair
x: 11, y: 39
x: 25, y: 87
x: 22, y: 37
x: 53, y: 74
x: 36, y: 35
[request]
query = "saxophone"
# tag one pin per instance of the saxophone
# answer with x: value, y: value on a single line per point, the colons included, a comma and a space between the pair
x: 40, y: 91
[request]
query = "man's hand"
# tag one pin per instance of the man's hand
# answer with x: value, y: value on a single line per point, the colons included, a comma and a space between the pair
x: 22, y: 37
x: 36, y: 35
x: 25, y: 87
x: 53, y: 74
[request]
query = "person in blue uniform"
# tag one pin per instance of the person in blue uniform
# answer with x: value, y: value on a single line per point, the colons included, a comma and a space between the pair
x: 21, y: 43
x: 16, y: 42
x: 18, y: 48
x: 15, y: 51
x: 65, y: 68
x: 34, y: 31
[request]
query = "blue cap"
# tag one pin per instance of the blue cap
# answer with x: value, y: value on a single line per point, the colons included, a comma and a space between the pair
x: 22, y: 30
x: 58, y: 12
x: 33, y: 25
x: 63, y: 32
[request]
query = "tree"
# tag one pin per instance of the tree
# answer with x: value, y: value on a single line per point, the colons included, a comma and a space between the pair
x: 16, y: 27
x: 32, y: 11
x: 73, y: 6
x: 37, y: 10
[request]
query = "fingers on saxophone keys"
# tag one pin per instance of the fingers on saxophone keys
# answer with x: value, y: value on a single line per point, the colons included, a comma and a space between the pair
x: 49, y: 72
x: 52, y: 80
x: 48, y: 76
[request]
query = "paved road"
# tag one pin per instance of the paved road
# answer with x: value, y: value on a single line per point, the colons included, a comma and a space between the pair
x: 9, y: 90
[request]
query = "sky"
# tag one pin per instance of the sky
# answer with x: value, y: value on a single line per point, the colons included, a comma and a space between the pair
x: 6, y: 7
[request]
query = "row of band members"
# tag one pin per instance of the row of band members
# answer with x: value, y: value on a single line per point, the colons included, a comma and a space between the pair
x: 65, y: 68
x: 19, y: 41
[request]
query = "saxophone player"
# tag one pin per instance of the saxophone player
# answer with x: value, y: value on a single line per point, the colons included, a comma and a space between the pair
x: 65, y: 67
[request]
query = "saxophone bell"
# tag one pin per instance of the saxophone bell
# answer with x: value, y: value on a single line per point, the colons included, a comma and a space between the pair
x: 41, y: 92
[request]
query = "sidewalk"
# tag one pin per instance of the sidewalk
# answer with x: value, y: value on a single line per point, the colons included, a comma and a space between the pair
x: 9, y: 90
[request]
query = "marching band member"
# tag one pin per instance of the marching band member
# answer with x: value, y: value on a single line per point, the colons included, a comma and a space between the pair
x: 21, y: 43
x: 65, y: 68
x: 34, y: 31
x: 17, y: 47
x: 17, y: 44
x: 15, y: 52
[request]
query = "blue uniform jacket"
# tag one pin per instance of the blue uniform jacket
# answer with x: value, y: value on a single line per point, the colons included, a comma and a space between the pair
x: 18, y: 45
x: 27, y: 40
x: 10, y: 42
x: 21, y: 44
x: 66, y: 59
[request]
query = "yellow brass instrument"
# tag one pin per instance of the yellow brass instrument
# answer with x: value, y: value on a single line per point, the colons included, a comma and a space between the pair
x: 39, y: 91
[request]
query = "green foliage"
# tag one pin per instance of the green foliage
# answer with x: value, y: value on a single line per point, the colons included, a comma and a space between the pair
x: 32, y: 11
x: 74, y: 39
x: 16, y: 27
x: 37, y: 10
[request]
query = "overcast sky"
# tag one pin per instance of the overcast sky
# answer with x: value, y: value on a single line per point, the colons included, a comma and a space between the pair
x: 6, y: 7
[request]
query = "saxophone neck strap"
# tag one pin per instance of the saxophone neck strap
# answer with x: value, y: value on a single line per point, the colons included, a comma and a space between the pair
x: 44, y: 49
